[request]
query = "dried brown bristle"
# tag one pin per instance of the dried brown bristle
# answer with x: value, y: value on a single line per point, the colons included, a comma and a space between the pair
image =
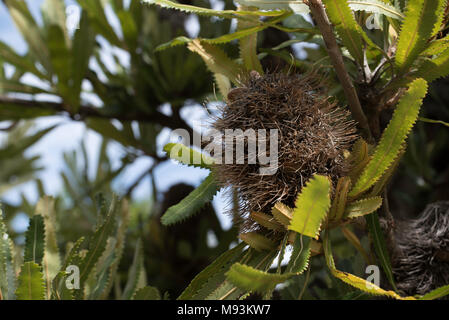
x: 313, y: 134
x: 420, y: 257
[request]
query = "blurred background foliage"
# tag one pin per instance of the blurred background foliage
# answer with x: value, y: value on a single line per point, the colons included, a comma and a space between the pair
x: 132, y: 104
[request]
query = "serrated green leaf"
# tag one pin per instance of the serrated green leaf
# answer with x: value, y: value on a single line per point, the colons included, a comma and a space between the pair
x: 191, y: 204
x: 226, y: 290
x: 311, y: 207
x: 297, y: 6
x: 219, y: 266
x: 436, y: 47
x: 393, y: 137
x: 282, y: 213
x: 35, y: 240
x: 102, y: 275
x: 229, y: 14
x: 250, y: 279
x: 59, y: 289
x: 421, y: 18
x: 379, y: 186
x: 7, y: 274
x: 267, y: 221
x: 119, y: 247
x: 299, y: 260
x: 363, y: 207
x: 223, y: 83
x: 188, y: 156
x: 147, y: 293
x: 239, y: 34
x: 134, y: 273
x: 257, y: 241
x: 51, y: 263
x: 340, y: 198
x: 31, y: 284
x: 436, y: 68
x: 436, y: 294
x: 217, y: 61
x: 380, y: 246
x: 353, y: 280
x: 248, y: 44
x: 347, y: 28
x: 97, y: 245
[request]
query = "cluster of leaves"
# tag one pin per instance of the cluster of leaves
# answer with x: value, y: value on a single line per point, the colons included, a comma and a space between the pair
x: 42, y: 273
x: 106, y: 74
x: 390, y: 66
x: 407, y: 53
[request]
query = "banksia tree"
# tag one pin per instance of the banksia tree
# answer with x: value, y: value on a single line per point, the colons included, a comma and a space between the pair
x: 335, y: 156
x: 333, y: 161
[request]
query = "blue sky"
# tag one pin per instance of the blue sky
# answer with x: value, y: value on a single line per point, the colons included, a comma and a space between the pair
x: 69, y: 134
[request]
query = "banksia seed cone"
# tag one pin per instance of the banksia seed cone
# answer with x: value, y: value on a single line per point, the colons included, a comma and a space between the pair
x: 312, y: 136
x: 420, y: 258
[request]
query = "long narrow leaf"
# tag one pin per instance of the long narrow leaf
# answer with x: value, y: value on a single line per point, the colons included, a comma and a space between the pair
x: 35, y: 240
x: 7, y: 275
x: 350, y: 32
x: 192, y: 203
x: 31, y: 285
x: 421, y: 18
x: 393, y: 137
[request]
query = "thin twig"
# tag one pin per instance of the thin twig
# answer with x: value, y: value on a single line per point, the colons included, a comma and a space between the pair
x: 322, y: 20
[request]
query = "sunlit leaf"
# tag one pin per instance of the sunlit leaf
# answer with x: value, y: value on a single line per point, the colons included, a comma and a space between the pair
x: 311, y: 206
x: 31, y: 285
x: 393, y: 137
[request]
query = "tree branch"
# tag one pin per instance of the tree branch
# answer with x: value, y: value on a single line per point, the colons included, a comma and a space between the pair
x: 93, y: 112
x: 322, y: 20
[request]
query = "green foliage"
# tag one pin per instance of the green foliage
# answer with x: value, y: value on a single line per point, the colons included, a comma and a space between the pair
x: 250, y: 279
x: 363, y: 207
x: 147, y: 293
x: 437, y: 293
x: 31, y: 285
x: 436, y: 68
x: 188, y: 156
x: 311, y: 207
x: 7, y: 277
x: 192, y: 203
x: 35, y: 240
x: 97, y: 260
x: 216, y: 60
x: 209, y: 12
x: 212, y: 271
x: 380, y: 245
x: 347, y: 28
x: 393, y: 137
x: 120, y: 244
x: 422, y: 18
x: 257, y: 241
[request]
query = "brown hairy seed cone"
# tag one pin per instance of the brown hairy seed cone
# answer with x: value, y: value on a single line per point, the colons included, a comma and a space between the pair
x: 420, y: 257
x: 312, y: 136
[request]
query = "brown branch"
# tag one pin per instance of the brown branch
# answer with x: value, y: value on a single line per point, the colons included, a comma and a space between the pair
x: 322, y: 20
x: 93, y: 112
